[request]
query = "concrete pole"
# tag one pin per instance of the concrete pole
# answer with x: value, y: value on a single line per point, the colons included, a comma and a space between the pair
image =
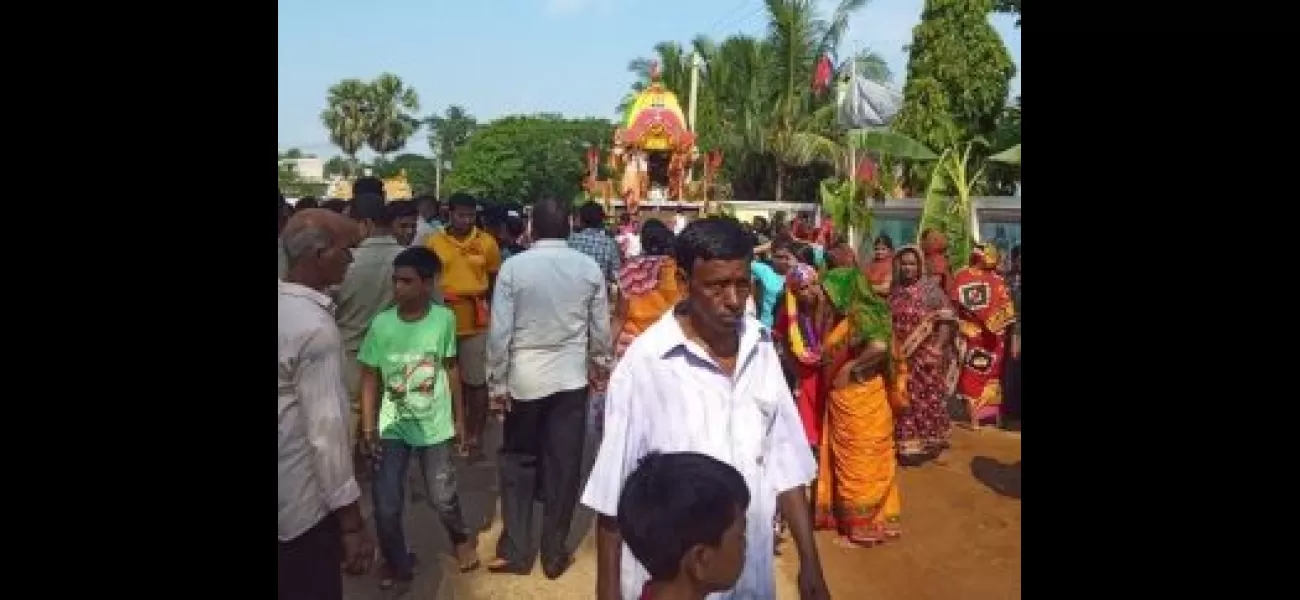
x: 691, y: 103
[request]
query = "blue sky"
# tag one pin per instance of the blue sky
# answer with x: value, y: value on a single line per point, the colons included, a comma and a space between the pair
x: 498, y: 57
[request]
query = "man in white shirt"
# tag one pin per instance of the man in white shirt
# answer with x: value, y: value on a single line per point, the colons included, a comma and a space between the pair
x: 706, y: 378
x: 679, y: 221
x: 550, y: 323
x: 427, y: 224
x: 320, y: 522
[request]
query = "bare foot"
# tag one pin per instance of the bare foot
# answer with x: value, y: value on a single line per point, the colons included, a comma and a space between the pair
x: 467, y: 556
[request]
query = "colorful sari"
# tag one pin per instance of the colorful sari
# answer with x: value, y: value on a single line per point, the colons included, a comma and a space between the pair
x: 880, y: 271
x: 648, y: 285
x: 924, y: 372
x: 857, y: 488
x: 934, y: 247
x: 986, y: 311
x: 805, y: 336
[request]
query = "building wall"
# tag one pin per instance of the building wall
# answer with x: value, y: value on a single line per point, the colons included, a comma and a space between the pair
x: 310, y: 169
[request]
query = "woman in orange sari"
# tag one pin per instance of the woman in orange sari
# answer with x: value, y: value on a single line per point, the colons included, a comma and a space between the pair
x: 986, y: 314
x: 647, y: 285
x: 857, y: 487
x: 880, y: 271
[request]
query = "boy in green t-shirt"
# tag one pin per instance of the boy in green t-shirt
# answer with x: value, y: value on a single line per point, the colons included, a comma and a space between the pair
x: 410, y: 354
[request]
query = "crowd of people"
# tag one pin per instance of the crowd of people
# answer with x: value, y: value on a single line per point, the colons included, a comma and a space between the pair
x: 742, y: 379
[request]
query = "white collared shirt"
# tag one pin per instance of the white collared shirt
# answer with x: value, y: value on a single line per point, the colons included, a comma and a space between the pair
x: 315, y: 451
x: 667, y: 395
x: 550, y: 314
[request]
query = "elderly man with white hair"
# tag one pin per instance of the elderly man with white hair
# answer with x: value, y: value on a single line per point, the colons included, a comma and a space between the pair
x: 320, y: 521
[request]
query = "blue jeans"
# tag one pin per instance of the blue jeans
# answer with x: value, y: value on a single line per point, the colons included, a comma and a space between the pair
x: 390, y: 497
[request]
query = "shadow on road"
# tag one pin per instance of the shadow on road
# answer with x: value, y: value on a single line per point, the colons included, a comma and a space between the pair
x: 999, y: 477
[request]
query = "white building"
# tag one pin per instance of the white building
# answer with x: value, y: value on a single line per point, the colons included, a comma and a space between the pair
x: 310, y: 169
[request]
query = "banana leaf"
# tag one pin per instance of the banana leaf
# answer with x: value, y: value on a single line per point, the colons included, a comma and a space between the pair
x: 1010, y: 156
x: 888, y: 142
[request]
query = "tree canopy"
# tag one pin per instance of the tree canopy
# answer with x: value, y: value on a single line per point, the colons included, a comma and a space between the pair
x: 526, y: 158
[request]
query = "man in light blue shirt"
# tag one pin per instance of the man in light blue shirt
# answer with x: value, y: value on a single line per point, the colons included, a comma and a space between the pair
x: 770, y: 285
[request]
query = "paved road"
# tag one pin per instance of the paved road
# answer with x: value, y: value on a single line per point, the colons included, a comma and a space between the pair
x: 961, y: 538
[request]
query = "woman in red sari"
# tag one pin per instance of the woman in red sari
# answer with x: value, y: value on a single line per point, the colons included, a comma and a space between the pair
x: 924, y: 365
x: 804, y: 317
x: 986, y: 314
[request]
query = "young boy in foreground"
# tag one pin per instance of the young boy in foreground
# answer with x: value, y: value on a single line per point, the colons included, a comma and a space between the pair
x: 410, y: 354
x: 683, y: 517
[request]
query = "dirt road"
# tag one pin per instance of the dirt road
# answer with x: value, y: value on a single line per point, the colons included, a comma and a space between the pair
x: 961, y: 539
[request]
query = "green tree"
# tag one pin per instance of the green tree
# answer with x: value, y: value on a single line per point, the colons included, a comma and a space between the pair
x: 390, y: 120
x: 958, y: 76
x: 345, y: 117
x: 526, y: 158
x: 337, y: 165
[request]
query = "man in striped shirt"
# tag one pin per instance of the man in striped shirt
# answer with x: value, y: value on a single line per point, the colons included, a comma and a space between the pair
x: 320, y: 522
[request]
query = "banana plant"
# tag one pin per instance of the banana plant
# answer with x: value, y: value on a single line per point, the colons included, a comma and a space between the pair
x: 949, y: 205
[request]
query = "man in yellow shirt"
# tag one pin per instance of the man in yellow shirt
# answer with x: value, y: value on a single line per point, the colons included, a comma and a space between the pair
x: 470, y: 261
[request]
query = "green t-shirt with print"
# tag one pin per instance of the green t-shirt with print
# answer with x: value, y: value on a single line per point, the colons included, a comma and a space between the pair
x: 416, y: 403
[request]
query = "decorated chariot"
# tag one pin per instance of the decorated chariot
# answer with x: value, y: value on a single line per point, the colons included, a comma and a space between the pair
x: 652, y: 156
x: 395, y: 188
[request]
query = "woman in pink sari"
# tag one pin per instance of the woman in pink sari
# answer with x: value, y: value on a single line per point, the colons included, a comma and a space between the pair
x: 924, y: 372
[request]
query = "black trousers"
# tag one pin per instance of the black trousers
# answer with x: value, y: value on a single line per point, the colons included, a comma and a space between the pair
x: 310, y: 565
x: 541, y: 451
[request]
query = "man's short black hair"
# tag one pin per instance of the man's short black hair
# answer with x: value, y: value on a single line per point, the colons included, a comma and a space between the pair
x: 371, y: 206
x: 712, y: 238
x: 306, y: 202
x: 591, y: 215
x: 461, y: 199
x: 423, y: 260
x: 368, y: 185
x: 675, y: 501
x: 515, y: 226
x: 551, y: 219
x: 402, y: 208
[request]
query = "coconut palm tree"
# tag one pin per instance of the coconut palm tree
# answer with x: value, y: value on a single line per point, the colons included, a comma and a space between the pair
x: 346, y: 117
x: 391, y: 120
x: 674, y: 64
x: 801, y: 126
x: 448, y: 132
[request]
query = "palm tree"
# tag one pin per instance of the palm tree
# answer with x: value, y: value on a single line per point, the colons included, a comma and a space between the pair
x: 871, y: 65
x: 346, y: 117
x: 801, y: 126
x: 391, y: 121
x: 447, y: 133
x: 674, y: 63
